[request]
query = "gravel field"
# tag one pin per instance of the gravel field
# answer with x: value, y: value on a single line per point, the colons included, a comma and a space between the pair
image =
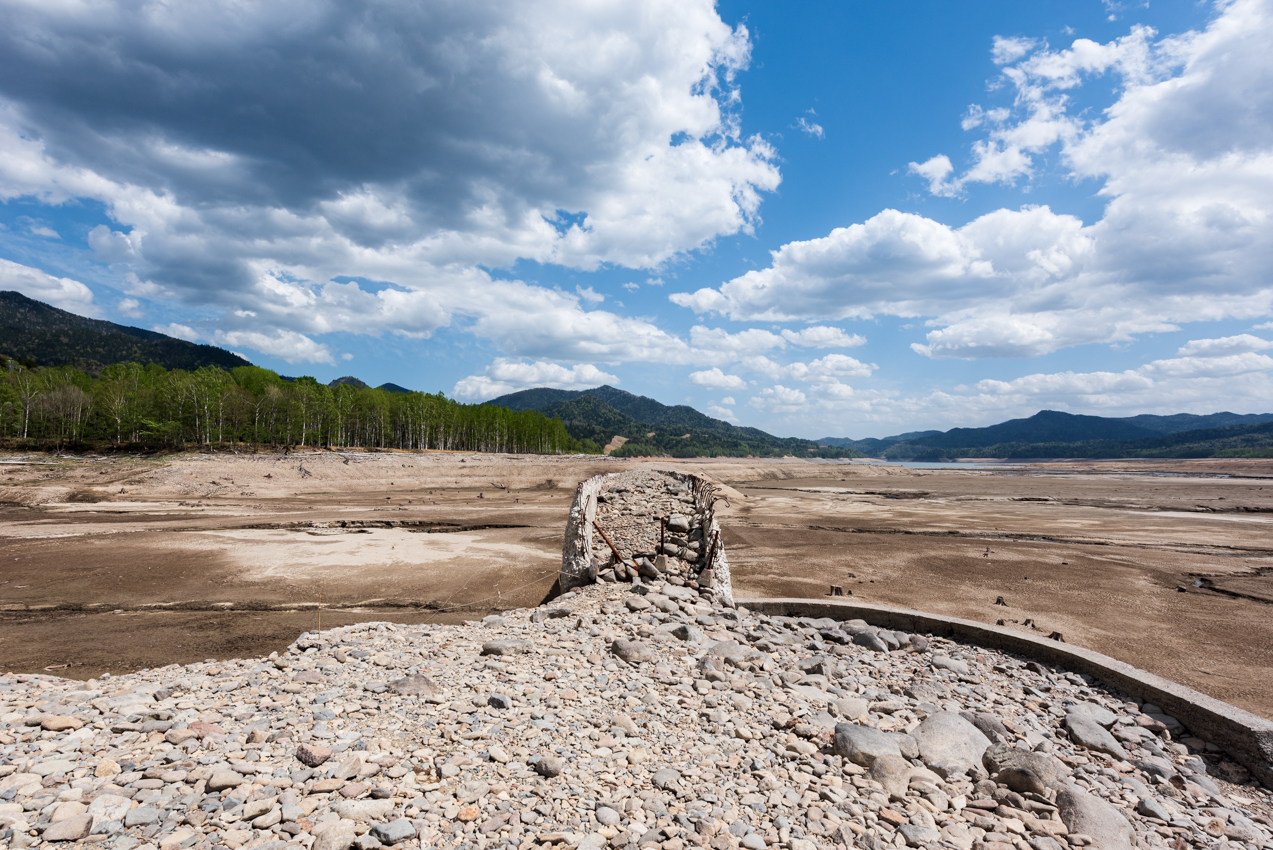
x: 625, y: 716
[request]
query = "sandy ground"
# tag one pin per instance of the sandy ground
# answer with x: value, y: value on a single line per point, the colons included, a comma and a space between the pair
x: 122, y: 563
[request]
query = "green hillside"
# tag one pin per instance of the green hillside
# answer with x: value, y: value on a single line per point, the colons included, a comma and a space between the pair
x: 42, y: 335
x: 1051, y: 433
x: 656, y: 429
x: 1234, y: 441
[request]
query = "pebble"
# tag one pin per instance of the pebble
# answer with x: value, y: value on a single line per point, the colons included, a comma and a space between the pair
x: 549, y: 766
x: 612, y: 727
x: 312, y: 755
x: 633, y: 651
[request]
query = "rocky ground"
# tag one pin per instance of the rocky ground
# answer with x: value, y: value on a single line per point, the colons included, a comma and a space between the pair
x: 629, y: 716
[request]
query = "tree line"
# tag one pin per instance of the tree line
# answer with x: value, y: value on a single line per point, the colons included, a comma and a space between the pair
x: 129, y: 405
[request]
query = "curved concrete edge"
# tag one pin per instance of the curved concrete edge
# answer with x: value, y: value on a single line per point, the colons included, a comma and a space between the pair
x: 1246, y: 737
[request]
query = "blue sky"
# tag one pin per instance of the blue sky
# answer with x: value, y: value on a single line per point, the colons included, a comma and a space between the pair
x: 821, y: 219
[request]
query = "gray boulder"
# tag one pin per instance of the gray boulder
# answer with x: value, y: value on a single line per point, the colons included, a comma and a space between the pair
x: 870, y: 640
x: 394, y: 831
x: 689, y: 633
x: 1083, y: 813
x: 1086, y: 732
x: 1174, y: 726
x: 665, y: 778
x: 729, y: 650
x: 633, y: 651
x: 918, y: 836
x: 1025, y: 771
x: 1097, y: 713
x: 1151, y: 807
x: 549, y: 766
x: 949, y: 744
x: 954, y: 665
x: 893, y: 772
x: 992, y: 727
x: 72, y: 829
x: 1046, y: 842
x: 336, y: 838
x: 862, y: 745
x: 506, y: 647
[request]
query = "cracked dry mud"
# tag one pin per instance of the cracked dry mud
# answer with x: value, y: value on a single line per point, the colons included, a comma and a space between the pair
x: 531, y: 730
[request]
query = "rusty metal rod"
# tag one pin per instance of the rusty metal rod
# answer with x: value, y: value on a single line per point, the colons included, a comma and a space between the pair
x: 711, y: 550
x: 662, y: 533
x: 613, y: 548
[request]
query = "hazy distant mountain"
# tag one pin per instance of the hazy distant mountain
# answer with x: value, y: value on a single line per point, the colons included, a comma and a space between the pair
x: 873, y: 446
x: 34, y: 331
x: 1047, y: 427
x: 348, y: 380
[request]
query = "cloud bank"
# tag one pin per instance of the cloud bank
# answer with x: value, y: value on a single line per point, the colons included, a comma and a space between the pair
x: 1184, y: 158
x: 335, y: 166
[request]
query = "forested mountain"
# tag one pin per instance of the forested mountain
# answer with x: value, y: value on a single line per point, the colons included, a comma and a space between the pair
x: 1234, y: 441
x: 43, y: 335
x: 653, y: 428
x: 130, y: 405
x: 1051, y: 433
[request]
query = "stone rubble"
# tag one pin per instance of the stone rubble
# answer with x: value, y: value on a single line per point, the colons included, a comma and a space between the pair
x: 631, y: 508
x: 593, y: 722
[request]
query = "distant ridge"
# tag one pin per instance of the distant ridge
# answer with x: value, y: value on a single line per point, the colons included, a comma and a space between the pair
x: 653, y: 428
x: 1052, y: 433
x: 36, y: 332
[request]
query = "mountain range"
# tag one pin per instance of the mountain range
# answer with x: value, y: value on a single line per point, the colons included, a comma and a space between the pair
x: 648, y: 427
x: 1053, y: 433
x: 362, y: 385
x: 40, y: 334
x: 43, y: 335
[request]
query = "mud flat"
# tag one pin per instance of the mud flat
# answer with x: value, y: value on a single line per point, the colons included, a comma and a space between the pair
x: 1167, y: 566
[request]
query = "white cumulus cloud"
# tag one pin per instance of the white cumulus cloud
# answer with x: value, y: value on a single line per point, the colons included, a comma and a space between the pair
x: 506, y: 375
x: 716, y: 379
x: 61, y: 292
x: 179, y: 331
x: 1224, y: 346
x: 287, y: 345
x: 1183, y: 158
x: 778, y: 397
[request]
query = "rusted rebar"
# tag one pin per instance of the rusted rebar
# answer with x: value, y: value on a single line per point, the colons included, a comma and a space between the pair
x: 613, y: 548
x: 711, y: 550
